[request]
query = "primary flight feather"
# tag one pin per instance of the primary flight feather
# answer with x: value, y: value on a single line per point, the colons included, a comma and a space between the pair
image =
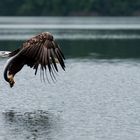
x: 39, y: 50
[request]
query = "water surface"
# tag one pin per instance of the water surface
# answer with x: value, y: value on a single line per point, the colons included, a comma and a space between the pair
x: 98, y: 97
x: 21, y: 28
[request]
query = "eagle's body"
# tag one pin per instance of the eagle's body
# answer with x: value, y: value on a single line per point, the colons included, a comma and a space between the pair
x: 40, y: 50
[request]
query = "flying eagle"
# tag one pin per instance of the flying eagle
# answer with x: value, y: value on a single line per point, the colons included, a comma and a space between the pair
x: 41, y: 50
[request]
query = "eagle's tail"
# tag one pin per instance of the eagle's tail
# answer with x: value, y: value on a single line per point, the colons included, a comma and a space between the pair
x: 4, y: 53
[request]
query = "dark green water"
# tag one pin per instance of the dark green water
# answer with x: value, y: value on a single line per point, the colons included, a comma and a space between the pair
x: 100, y: 49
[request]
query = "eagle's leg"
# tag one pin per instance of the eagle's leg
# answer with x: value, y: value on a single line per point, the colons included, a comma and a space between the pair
x: 11, y: 80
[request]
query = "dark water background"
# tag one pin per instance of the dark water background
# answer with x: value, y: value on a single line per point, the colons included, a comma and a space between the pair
x: 98, y: 97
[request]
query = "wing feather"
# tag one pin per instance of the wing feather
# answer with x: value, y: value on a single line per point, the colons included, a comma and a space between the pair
x: 53, y: 59
x: 44, y: 51
x: 48, y: 58
x: 57, y: 46
x: 60, y: 58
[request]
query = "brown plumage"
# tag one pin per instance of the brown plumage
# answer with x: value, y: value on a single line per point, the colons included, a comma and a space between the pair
x: 40, y: 50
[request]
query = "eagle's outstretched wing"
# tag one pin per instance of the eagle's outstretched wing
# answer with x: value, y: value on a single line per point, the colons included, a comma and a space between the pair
x: 40, y: 50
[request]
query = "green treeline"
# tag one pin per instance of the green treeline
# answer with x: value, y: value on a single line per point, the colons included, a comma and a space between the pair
x: 69, y: 7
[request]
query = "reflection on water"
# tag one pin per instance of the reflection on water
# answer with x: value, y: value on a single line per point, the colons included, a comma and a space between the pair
x: 33, y: 125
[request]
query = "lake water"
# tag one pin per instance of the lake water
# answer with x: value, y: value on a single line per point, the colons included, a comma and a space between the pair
x: 97, y: 98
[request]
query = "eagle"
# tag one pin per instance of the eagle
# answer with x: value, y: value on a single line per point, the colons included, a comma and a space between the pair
x: 39, y: 51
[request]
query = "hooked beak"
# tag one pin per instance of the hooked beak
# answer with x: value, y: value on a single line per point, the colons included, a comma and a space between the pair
x: 11, y: 80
